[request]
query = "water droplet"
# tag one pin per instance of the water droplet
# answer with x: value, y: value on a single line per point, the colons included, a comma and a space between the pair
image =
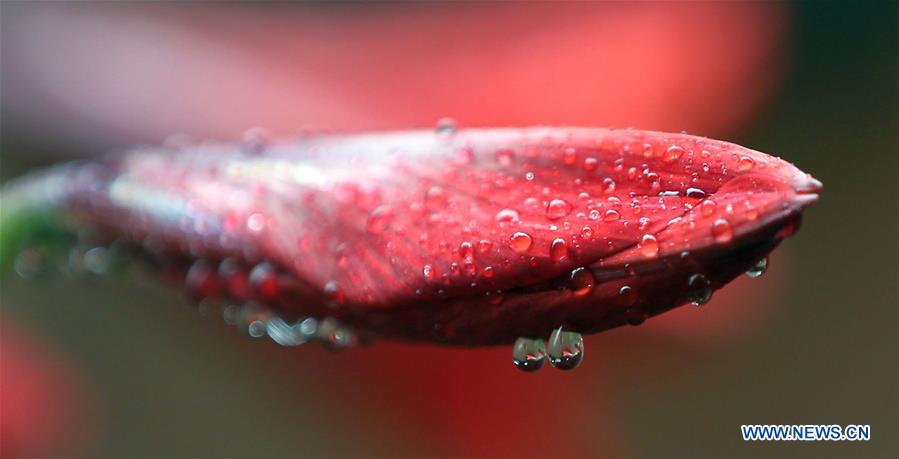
x: 746, y: 163
x: 529, y: 176
x: 484, y: 246
x: 380, y: 219
x: 557, y: 209
x: 648, y: 246
x: 256, y: 222
x: 505, y: 157
x: 285, y: 334
x: 520, y: 242
x: 255, y: 140
x: 202, y: 280
x: 32, y: 263
x: 722, y: 231
x: 234, y: 276
x: 707, y: 208
x: 586, y: 232
x: 507, y: 216
x: 699, y: 290
x: 528, y: 354
x: 333, y: 292
x: 627, y: 295
x: 673, y: 153
x: 695, y: 193
x: 264, y: 281
x: 558, y: 250
x: 96, y: 260
x: 569, y: 156
x: 590, y: 164
x: 565, y: 349
x: 582, y: 281
x: 611, y: 215
x: 758, y: 269
x: 429, y: 273
x: 466, y: 250
x: 634, y: 316
x: 445, y: 127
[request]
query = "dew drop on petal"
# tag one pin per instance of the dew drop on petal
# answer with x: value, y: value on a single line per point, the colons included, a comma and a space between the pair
x: 586, y: 232
x: 758, y: 269
x: 722, y: 231
x: 582, y: 281
x: 695, y: 193
x: 746, y: 163
x: 569, y: 156
x: 528, y: 354
x: 627, y: 295
x: 590, y: 164
x: 557, y: 209
x: 264, y: 281
x: 506, y: 216
x: 520, y: 242
x: 699, y: 290
x: 558, y: 250
x: 380, y: 219
x: 428, y: 272
x: 565, y: 349
x: 466, y: 250
x: 202, y: 280
x: 673, y: 153
x: 707, y: 208
x: 648, y: 246
x: 445, y: 127
x: 505, y: 157
x: 256, y: 222
x: 333, y: 292
x: 611, y: 215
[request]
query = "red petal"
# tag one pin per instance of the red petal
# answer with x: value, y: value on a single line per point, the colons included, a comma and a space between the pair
x: 473, y: 237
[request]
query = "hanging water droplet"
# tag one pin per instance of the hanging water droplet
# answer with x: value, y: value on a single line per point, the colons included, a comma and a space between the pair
x: 264, y: 281
x: 257, y: 328
x: 528, y: 354
x: 201, y: 280
x: 565, y: 349
x: 699, y: 290
x: 445, y: 127
x: 557, y: 209
x: 520, y: 242
x: 32, y: 263
x: 285, y: 334
x: 758, y: 269
x: 234, y: 276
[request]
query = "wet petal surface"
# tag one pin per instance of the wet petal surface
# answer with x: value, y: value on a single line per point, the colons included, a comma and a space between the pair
x: 467, y: 237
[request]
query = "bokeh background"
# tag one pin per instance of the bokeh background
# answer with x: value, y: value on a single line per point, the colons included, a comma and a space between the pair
x: 127, y: 368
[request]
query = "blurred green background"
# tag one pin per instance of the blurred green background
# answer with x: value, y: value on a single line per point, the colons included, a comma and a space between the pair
x: 165, y: 381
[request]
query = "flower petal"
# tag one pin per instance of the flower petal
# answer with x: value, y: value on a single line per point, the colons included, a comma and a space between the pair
x: 469, y: 237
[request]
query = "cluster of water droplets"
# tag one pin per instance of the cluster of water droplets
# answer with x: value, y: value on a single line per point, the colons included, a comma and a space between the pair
x: 565, y: 351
